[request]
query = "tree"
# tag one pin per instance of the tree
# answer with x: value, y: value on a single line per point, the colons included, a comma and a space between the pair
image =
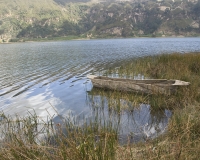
x: 151, y: 21
x: 127, y: 31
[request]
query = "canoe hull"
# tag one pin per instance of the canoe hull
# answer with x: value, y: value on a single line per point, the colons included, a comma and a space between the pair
x: 150, y: 86
x: 133, y: 87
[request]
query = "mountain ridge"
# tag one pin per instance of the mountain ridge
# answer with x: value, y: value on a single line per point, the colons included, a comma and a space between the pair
x: 20, y: 19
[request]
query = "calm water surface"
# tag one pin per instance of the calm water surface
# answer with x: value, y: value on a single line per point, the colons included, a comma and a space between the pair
x: 49, y: 78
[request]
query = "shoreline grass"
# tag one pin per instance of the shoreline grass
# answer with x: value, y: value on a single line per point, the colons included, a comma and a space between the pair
x: 99, y: 140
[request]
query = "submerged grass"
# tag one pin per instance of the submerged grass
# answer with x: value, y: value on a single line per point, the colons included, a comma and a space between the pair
x: 30, y: 138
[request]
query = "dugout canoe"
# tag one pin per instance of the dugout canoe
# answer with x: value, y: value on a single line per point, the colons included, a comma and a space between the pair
x: 150, y: 86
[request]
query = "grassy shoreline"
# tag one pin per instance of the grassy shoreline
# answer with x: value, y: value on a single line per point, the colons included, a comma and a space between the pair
x: 96, y: 141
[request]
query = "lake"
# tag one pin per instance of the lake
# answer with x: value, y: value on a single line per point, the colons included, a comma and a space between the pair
x: 49, y: 78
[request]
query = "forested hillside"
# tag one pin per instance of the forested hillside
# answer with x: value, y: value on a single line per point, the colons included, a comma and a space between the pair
x: 22, y: 19
x: 165, y: 18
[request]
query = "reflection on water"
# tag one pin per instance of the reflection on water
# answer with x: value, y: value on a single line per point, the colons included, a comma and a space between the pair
x: 49, y: 78
x: 134, y: 121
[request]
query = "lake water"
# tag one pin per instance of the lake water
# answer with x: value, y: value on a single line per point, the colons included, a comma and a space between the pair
x: 49, y: 78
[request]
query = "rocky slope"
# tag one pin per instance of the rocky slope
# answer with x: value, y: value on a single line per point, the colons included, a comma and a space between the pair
x: 21, y: 19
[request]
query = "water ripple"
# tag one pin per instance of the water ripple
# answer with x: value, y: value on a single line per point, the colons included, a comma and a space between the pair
x: 27, y: 64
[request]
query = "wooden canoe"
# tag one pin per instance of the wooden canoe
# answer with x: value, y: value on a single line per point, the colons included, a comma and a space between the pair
x: 150, y: 86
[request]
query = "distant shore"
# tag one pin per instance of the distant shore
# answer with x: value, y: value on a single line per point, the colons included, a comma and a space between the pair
x: 85, y: 38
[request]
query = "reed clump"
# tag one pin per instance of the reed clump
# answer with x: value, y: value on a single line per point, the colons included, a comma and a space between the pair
x: 27, y: 138
x: 184, y: 67
x: 32, y: 138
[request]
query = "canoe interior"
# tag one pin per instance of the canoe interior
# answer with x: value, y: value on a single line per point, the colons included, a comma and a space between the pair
x: 145, y: 81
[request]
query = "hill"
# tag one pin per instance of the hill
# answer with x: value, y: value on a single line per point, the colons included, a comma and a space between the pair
x: 21, y: 19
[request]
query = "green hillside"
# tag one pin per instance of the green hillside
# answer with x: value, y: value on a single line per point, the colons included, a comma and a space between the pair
x: 35, y: 18
x: 21, y: 19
